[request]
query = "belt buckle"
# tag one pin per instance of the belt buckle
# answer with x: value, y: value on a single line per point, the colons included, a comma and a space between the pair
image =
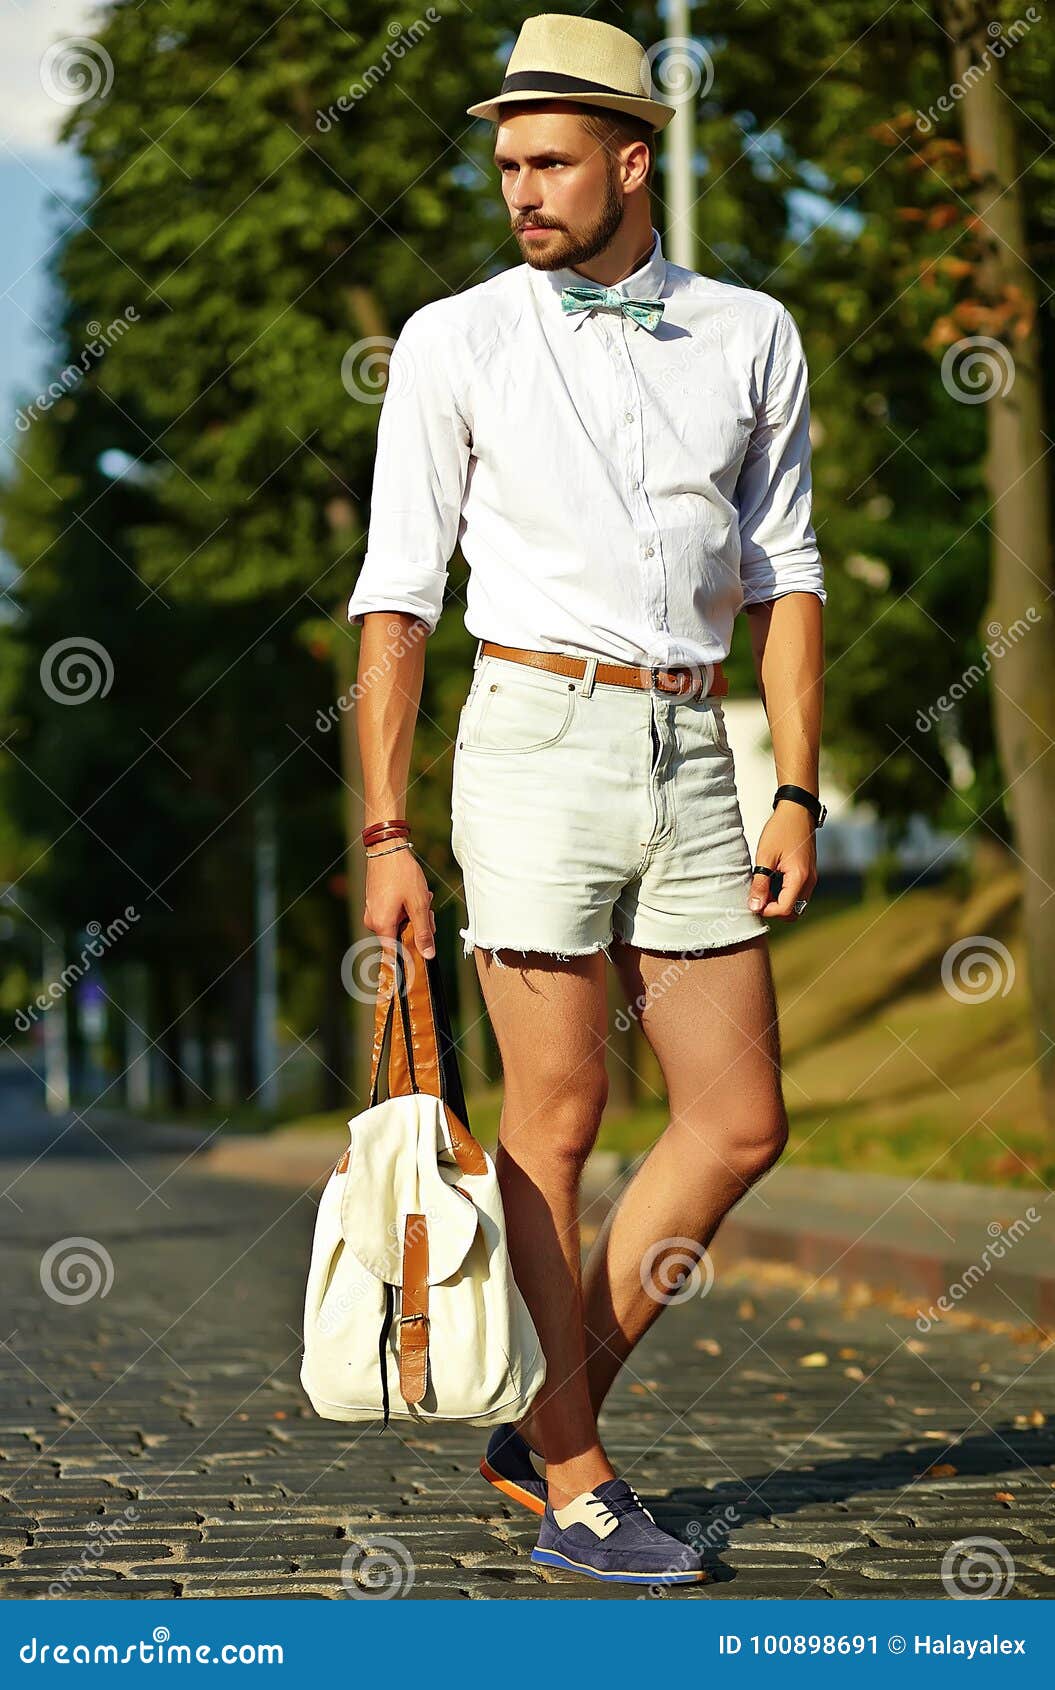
x: 694, y: 691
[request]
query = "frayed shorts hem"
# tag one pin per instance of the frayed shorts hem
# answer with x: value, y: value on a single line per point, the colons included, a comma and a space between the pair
x: 684, y: 950
x: 471, y: 944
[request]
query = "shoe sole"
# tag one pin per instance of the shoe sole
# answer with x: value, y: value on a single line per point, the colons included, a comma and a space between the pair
x: 553, y: 1558
x: 510, y: 1488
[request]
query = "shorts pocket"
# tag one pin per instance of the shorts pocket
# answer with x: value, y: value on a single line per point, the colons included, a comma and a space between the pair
x: 508, y: 714
x: 721, y: 738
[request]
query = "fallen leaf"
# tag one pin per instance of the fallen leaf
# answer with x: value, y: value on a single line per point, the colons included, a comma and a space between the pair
x: 916, y: 1346
x: 941, y: 1470
x: 637, y: 1390
x: 747, y: 1310
x: 816, y: 1358
x: 709, y: 1346
x: 854, y: 1373
x: 796, y: 1323
x: 279, y: 1414
x: 1003, y: 1496
x: 847, y: 1354
x: 780, y: 1396
x: 924, y: 1411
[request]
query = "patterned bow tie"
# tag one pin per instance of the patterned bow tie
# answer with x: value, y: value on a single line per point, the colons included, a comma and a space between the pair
x: 647, y: 312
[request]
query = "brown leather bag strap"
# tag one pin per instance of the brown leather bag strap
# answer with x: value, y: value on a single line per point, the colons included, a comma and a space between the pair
x: 423, y: 1055
x: 414, y: 1313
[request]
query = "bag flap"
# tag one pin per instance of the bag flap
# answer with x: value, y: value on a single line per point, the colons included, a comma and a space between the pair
x: 394, y: 1171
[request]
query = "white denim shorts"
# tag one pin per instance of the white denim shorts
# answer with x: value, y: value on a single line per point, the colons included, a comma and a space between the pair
x: 581, y: 810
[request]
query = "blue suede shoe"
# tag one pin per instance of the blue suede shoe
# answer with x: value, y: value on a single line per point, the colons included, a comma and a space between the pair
x: 607, y: 1534
x: 509, y: 1465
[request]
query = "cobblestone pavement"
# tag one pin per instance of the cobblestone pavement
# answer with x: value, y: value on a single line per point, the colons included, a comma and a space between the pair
x: 155, y: 1441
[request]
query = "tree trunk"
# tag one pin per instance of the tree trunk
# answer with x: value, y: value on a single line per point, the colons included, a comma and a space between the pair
x: 1019, y: 613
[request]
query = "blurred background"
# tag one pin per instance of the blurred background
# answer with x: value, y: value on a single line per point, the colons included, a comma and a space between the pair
x: 217, y: 220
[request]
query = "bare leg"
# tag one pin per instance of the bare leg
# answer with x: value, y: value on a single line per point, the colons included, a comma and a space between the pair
x: 712, y: 1022
x: 550, y: 1020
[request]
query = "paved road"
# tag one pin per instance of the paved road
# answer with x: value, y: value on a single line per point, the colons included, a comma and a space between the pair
x: 154, y: 1439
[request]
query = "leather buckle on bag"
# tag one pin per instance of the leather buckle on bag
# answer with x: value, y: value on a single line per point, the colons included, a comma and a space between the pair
x: 404, y: 1319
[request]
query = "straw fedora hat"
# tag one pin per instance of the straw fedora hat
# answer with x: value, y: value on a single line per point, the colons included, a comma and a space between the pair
x: 565, y: 58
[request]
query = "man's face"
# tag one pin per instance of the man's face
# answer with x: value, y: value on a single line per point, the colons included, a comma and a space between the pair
x: 564, y: 193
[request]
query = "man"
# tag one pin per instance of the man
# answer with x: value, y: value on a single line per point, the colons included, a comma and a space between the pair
x: 625, y: 469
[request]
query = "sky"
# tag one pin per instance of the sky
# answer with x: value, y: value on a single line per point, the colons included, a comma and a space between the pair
x: 34, y: 169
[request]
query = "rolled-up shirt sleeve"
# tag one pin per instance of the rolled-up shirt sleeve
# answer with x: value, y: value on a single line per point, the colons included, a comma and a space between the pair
x: 778, y: 547
x: 420, y: 469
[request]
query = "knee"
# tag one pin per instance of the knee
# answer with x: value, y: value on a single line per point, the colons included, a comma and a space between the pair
x: 556, y: 1119
x: 757, y: 1150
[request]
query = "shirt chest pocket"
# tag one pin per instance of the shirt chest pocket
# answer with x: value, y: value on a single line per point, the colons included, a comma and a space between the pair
x: 507, y: 714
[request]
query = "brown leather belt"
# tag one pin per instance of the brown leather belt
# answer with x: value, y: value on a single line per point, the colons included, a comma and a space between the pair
x: 688, y: 680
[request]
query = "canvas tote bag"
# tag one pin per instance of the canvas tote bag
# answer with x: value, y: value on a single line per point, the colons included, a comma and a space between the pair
x: 411, y: 1309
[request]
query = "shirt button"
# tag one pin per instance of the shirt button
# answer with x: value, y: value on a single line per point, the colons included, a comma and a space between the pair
x: 629, y: 417
x: 650, y: 550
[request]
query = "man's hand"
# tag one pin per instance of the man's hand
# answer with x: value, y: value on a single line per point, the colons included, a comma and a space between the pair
x: 395, y: 882
x: 787, y: 843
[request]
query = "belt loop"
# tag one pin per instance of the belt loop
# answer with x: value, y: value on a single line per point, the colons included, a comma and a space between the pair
x: 476, y: 659
x: 586, y: 684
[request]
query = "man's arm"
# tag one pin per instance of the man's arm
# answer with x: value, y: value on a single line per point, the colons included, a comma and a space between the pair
x: 784, y: 595
x: 420, y: 467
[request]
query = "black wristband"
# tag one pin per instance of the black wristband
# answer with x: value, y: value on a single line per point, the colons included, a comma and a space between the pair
x: 799, y: 795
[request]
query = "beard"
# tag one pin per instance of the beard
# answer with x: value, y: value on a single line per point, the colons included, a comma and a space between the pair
x: 570, y: 247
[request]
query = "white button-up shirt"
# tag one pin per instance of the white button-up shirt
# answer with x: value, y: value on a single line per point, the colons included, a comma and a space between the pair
x: 615, y: 492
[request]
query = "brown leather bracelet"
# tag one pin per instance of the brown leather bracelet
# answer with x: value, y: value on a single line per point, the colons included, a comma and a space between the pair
x: 376, y: 829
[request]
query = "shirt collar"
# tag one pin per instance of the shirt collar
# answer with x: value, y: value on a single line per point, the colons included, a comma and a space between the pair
x: 646, y: 282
